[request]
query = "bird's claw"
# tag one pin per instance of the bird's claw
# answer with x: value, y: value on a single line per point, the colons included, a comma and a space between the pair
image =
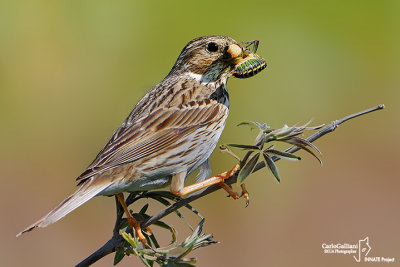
x: 228, y: 188
x: 234, y: 195
x: 245, y: 195
x: 136, y: 227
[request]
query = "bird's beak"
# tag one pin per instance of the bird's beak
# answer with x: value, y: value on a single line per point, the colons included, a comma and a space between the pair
x: 237, y: 53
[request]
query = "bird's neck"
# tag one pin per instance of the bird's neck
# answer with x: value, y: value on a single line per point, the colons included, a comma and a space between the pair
x: 217, y: 88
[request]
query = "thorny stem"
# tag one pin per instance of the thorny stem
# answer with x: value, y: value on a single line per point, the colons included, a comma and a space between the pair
x: 117, y: 239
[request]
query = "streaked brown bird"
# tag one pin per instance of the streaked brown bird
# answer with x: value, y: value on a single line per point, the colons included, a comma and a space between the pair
x: 170, y: 133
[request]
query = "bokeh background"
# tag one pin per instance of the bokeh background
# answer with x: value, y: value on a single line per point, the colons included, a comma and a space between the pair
x: 71, y: 71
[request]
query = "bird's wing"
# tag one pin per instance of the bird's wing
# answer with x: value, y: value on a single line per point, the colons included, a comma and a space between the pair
x: 160, y: 129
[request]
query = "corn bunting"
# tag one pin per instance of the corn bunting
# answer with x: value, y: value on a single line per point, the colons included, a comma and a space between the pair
x: 171, y: 132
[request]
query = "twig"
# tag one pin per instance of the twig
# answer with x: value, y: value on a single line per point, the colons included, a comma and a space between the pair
x: 327, y: 129
x: 106, y: 249
x: 111, y: 244
x: 117, y: 239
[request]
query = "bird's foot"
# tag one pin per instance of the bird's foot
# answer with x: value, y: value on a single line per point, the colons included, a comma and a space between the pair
x: 226, y: 175
x: 233, y: 194
x: 218, y: 179
x: 136, y: 226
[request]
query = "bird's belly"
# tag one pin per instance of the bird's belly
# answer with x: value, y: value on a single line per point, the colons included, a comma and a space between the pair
x: 138, y: 184
x: 187, y: 156
x: 184, y: 156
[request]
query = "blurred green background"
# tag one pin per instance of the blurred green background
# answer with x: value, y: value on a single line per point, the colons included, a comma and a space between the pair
x: 71, y: 71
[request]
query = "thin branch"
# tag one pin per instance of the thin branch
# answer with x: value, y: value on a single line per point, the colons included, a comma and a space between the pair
x: 327, y: 129
x: 117, y: 240
x: 106, y: 249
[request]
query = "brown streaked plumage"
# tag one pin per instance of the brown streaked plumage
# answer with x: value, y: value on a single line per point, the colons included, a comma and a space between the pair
x: 170, y: 133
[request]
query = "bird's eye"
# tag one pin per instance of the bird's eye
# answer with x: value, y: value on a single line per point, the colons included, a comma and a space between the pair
x: 212, y: 47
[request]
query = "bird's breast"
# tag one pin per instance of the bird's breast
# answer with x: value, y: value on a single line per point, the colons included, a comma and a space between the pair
x: 221, y: 95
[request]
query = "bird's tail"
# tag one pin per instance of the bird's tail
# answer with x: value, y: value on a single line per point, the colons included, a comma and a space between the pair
x: 88, y: 190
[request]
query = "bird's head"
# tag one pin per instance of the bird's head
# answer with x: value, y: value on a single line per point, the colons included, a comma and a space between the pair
x: 214, y: 58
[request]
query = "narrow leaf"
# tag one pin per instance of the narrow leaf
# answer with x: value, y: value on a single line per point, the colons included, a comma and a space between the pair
x: 145, y: 261
x: 309, y: 144
x: 270, y: 137
x: 285, y: 130
x: 160, y: 195
x: 293, y: 134
x: 190, y: 207
x: 129, y: 239
x: 165, y: 202
x: 304, y: 148
x: 282, y: 154
x: 315, y: 127
x: 167, y: 227
x: 118, y: 257
x: 154, y: 240
x: 245, y: 158
x: 251, y: 147
x: 248, y: 168
x: 271, y: 165
x: 160, y: 199
x: 144, y: 209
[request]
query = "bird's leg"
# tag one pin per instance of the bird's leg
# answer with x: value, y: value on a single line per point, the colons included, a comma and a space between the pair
x: 178, y: 189
x: 177, y: 183
x: 132, y: 222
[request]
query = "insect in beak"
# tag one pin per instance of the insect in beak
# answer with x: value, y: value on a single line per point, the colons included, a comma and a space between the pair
x: 250, y: 63
x: 253, y: 43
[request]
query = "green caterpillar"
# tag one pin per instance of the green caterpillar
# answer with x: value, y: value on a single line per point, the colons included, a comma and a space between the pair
x: 249, y: 67
x: 252, y: 64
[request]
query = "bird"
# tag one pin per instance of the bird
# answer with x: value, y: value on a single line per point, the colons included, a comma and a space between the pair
x: 170, y: 133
